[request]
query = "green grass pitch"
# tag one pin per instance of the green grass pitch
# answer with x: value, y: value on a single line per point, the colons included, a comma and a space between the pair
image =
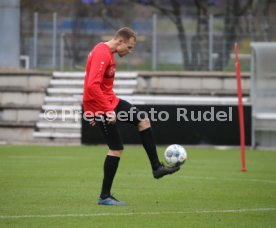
x: 58, y: 186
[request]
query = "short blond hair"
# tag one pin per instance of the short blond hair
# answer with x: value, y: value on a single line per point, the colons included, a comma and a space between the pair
x: 126, y: 33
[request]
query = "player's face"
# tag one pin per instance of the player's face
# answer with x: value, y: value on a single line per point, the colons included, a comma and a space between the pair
x: 126, y: 47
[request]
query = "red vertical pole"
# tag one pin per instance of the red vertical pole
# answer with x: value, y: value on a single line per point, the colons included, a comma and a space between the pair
x: 240, y: 108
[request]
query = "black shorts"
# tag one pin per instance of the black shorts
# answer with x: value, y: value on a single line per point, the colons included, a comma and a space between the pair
x: 125, y: 112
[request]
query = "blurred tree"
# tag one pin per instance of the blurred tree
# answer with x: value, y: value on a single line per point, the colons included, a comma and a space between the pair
x: 234, y: 10
x: 173, y: 10
x: 261, y: 9
x: 73, y: 8
x: 200, y: 50
x: 49, y: 6
x: 117, y: 13
x: 200, y: 56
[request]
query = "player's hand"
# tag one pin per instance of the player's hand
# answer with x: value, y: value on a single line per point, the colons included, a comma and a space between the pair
x: 111, y: 117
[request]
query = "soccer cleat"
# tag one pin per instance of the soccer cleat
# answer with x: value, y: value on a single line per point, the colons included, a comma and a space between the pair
x: 111, y: 200
x: 164, y: 170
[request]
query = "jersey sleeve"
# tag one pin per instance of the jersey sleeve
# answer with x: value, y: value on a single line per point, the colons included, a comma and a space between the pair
x: 95, y: 75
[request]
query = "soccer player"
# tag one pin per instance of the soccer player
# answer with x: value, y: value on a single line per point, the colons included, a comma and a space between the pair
x: 100, y: 99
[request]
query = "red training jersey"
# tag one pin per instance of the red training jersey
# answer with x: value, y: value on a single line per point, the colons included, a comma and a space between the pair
x: 98, y: 96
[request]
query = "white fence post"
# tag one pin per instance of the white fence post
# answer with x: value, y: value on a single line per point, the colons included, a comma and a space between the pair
x: 154, y: 41
x: 54, y: 52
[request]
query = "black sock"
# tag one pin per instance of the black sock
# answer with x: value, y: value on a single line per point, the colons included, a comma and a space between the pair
x: 110, y: 167
x: 150, y: 147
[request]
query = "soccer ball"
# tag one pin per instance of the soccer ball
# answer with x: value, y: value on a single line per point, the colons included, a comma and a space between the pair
x: 175, y: 154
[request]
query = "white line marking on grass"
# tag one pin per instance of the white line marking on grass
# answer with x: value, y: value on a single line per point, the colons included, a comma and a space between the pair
x: 42, y: 157
x: 230, y: 179
x: 209, y: 178
x: 139, y: 213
